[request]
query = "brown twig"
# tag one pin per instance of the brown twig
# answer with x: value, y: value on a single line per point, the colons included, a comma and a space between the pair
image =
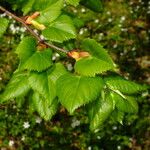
x: 8, y: 13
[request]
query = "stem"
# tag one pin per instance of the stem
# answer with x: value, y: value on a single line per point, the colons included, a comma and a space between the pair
x: 35, y: 35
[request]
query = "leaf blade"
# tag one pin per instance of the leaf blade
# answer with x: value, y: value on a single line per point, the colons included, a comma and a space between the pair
x: 96, y: 50
x: 3, y: 25
x: 44, y: 107
x: 75, y: 91
x: 17, y: 86
x: 90, y: 66
x: 61, y: 30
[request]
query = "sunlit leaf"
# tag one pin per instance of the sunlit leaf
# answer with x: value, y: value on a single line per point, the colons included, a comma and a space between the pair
x: 75, y: 91
x: 103, y: 111
x: 125, y: 86
x: 60, y: 30
x: 90, y: 66
x: 51, y: 13
x: 43, y: 106
x: 73, y: 2
x: 96, y: 50
x: 17, y: 86
x: 3, y: 25
x: 41, y: 83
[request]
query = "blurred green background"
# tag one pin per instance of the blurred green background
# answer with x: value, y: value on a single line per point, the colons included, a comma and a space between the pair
x: 122, y: 27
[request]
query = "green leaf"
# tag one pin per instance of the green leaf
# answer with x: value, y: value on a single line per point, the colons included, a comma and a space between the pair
x: 43, y: 4
x: 43, y: 106
x: 3, y: 25
x: 51, y: 13
x: 103, y: 111
x: 61, y: 30
x: 95, y: 5
x: 17, y: 86
x: 90, y: 66
x: 73, y: 2
x: 41, y: 83
x: 57, y: 71
x: 26, y: 48
x: 28, y: 6
x: 39, y: 61
x: 75, y: 91
x: 118, y: 83
x: 117, y: 116
x: 31, y: 58
x: 127, y: 104
x: 96, y: 50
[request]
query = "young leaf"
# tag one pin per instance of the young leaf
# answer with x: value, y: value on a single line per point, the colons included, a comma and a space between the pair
x: 3, y: 25
x: 73, y: 2
x: 28, y: 6
x: 56, y: 72
x: 51, y: 13
x: 123, y: 85
x: 17, y: 86
x: 90, y: 66
x: 75, y: 91
x: 96, y: 50
x: 127, y: 104
x: 117, y: 116
x: 43, y: 85
x: 104, y: 109
x: 39, y: 61
x: 43, y: 106
x: 60, y: 30
x: 26, y: 48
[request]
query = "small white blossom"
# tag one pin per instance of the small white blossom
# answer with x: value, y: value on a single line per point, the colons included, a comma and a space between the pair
x: 133, y: 49
x: 124, y: 29
x: 75, y: 11
x: 119, y: 25
x: 26, y: 125
x: 131, y: 3
x: 42, y: 37
x: 131, y: 11
x: 89, y: 148
x: 22, y: 29
x: 96, y: 21
x: 110, y: 20
x: 10, y: 17
x: 101, y: 34
x: 83, y: 10
x: 69, y: 67
x: 3, y: 15
x: 0, y: 78
x: 57, y: 55
x: 115, y: 46
x: 118, y: 147
x: 38, y: 120
x: 108, y: 12
x: 114, y: 127
x: 23, y: 138
x: 75, y: 123
x: 98, y: 137
x: 81, y: 31
x: 123, y: 18
x: 148, y: 12
x: 11, y: 143
x: 54, y: 57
